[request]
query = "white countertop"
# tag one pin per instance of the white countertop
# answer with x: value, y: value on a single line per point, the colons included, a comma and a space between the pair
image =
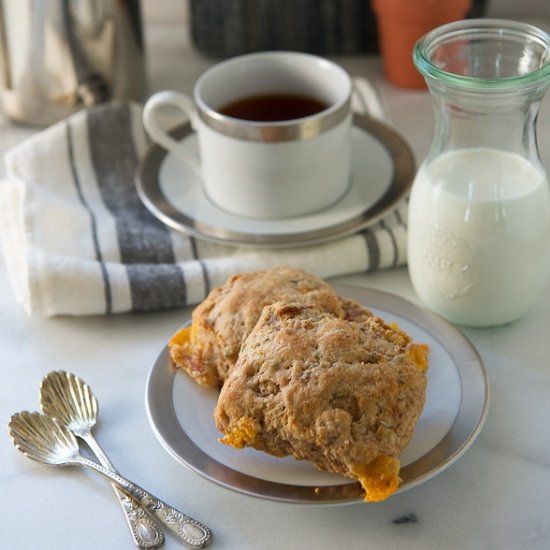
x: 497, y: 496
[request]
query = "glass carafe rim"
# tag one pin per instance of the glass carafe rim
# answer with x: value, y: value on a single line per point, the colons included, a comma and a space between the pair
x: 500, y: 27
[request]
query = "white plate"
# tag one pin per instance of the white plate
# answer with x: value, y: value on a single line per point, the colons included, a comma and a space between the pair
x: 180, y: 413
x: 383, y: 170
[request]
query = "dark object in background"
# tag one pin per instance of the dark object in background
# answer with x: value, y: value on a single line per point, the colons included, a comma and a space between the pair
x: 225, y: 28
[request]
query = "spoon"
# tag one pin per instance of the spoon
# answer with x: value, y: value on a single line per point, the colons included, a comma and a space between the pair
x: 67, y: 398
x: 46, y: 440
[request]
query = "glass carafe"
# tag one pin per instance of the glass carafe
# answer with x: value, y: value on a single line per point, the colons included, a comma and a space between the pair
x: 479, y: 212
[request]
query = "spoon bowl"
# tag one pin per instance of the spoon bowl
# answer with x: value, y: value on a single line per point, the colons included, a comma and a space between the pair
x: 43, y: 439
x: 69, y: 399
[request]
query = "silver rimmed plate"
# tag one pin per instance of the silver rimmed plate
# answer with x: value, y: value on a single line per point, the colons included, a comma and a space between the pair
x: 383, y: 170
x: 180, y: 413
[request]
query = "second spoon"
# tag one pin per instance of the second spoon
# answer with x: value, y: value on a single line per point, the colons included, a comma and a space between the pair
x: 70, y: 400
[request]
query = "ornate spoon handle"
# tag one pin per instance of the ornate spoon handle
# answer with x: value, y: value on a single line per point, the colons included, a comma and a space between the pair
x: 193, y: 533
x: 145, y: 532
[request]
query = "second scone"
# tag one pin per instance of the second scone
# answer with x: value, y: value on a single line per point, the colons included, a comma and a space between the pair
x: 209, y: 348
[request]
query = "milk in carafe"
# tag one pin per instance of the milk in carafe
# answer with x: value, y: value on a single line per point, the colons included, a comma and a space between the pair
x: 479, y: 235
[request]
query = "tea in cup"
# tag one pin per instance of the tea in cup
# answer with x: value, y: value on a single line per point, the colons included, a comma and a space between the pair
x: 273, y: 129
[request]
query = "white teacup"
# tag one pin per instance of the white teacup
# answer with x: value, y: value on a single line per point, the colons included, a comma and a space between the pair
x: 259, y: 168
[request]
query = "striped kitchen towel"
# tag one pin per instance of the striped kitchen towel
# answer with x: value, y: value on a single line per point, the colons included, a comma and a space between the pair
x: 77, y: 240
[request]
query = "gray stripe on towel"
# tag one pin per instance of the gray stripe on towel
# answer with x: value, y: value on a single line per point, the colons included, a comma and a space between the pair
x: 93, y: 222
x: 373, y: 250
x: 393, y: 242
x: 145, y: 245
x: 155, y: 287
x: 204, y: 270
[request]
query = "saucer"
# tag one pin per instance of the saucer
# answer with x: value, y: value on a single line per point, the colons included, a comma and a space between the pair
x: 383, y: 168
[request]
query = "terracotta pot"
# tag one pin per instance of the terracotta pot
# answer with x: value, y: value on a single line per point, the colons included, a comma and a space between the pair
x: 401, y: 23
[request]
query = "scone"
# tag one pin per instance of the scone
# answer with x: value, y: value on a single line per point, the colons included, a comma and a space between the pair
x: 345, y: 395
x: 209, y: 348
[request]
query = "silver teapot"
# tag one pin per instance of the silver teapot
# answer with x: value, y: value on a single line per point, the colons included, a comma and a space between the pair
x: 57, y: 56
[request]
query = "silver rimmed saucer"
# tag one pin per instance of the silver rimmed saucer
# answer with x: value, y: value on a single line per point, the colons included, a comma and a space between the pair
x: 383, y: 168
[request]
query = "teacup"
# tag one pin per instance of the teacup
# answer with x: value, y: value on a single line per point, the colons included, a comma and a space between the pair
x: 274, y: 133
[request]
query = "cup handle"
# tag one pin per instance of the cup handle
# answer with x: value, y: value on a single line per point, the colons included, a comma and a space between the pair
x: 161, y: 136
